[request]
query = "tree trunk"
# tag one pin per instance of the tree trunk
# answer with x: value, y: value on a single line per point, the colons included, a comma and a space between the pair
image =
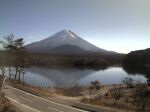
x: 2, y: 72
x: 23, y: 78
x: 16, y: 73
x: 9, y: 72
x: 19, y: 76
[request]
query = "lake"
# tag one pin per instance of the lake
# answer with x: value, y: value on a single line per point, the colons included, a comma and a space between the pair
x: 49, y: 77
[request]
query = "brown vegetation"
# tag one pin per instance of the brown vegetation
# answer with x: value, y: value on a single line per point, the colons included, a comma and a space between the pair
x: 130, y: 99
x: 5, y: 106
x: 75, y: 90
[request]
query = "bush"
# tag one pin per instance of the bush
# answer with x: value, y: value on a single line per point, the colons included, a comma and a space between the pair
x: 128, y: 81
x: 141, y: 97
x: 116, y: 93
x: 74, y: 90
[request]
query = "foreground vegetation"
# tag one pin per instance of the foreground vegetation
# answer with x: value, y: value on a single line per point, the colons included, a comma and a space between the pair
x: 122, y: 97
x: 5, y: 105
x: 128, y: 96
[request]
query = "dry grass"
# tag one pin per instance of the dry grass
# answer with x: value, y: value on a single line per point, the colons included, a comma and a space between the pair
x: 122, y: 99
x: 43, y: 92
x: 5, y: 106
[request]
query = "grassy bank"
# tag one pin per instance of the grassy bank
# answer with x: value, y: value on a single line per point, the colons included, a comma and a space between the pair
x: 136, y: 99
x: 5, y: 105
x: 116, y: 97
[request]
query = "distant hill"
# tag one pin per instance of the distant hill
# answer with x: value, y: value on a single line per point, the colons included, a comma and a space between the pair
x: 139, y: 57
x: 65, y: 42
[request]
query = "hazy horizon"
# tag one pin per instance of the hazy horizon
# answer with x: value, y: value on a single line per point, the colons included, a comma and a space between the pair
x: 118, y: 25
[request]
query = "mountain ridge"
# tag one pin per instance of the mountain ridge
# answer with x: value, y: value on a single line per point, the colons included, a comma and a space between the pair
x: 64, y: 38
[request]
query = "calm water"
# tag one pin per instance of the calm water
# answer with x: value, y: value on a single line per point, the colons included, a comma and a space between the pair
x: 68, y: 76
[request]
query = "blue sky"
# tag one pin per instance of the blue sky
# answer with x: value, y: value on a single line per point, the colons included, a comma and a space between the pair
x: 118, y: 25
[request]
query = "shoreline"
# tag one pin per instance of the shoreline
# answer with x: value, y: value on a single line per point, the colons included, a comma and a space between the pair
x: 75, y: 101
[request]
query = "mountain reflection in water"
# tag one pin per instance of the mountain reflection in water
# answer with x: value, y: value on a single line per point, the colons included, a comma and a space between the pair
x: 46, y: 77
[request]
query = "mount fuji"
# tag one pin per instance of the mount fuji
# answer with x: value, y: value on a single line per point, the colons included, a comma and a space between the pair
x: 64, y: 42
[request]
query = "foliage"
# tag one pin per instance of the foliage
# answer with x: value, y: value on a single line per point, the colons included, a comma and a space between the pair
x: 140, y: 57
x: 138, y: 62
x: 16, y: 54
x: 79, y: 61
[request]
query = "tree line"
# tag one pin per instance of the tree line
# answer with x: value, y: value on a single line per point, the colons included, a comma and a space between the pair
x: 140, y: 57
x: 13, y: 57
x: 138, y: 62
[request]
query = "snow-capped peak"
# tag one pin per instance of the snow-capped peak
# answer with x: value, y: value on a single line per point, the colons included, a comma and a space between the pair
x: 67, y: 30
x: 70, y: 34
x: 62, y: 39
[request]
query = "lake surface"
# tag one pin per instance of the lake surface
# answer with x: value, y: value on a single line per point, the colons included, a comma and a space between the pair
x: 48, y: 77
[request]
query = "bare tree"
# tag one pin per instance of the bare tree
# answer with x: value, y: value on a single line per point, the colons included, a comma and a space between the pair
x: 21, y: 60
x: 93, y: 88
x: 2, y: 78
x: 128, y: 81
x: 8, y: 44
x: 19, y: 52
x: 116, y: 93
x: 3, y: 70
x: 141, y: 97
x: 72, y: 90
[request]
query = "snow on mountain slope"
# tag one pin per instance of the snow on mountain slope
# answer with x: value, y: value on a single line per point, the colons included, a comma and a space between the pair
x: 63, y: 38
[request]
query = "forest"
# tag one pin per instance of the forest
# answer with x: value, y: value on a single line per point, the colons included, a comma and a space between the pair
x: 139, y: 57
